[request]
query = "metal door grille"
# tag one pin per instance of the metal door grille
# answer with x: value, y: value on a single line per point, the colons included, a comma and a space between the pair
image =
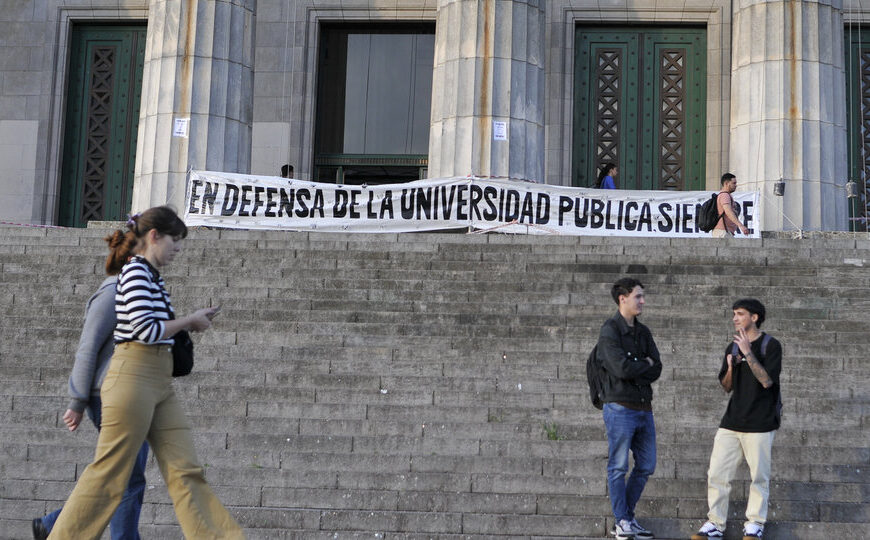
x: 98, y: 133
x: 101, y: 122
x: 608, y: 90
x: 640, y: 99
x: 672, y: 118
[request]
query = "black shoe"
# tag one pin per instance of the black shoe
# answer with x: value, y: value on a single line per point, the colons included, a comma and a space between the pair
x: 39, y: 530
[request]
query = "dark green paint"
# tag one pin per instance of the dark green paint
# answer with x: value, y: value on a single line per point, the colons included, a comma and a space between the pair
x: 639, y: 138
x: 857, y: 39
x: 129, y: 44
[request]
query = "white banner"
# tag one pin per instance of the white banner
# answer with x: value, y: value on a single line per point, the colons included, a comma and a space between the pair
x: 241, y: 201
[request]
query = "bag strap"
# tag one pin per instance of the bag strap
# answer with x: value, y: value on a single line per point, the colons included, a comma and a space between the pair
x: 166, y: 300
x: 764, y: 341
x: 722, y: 215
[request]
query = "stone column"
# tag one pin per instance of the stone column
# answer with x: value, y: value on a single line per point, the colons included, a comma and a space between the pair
x: 489, y: 67
x: 788, y: 116
x: 198, y: 65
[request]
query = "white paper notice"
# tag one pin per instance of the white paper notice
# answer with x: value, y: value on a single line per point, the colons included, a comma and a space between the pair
x: 499, y: 131
x: 181, y: 127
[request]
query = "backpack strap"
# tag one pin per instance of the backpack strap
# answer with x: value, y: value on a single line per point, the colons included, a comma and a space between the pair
x: 735, y: 351
x: 764, y: 341
x: 722, y: 215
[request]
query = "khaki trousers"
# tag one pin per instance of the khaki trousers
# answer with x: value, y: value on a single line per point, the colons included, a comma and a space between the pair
x: 139, y: 403
x: 721, y: 233
x: 728, y: 447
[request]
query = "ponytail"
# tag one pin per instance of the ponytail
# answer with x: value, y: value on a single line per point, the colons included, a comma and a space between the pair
x: 123, y: 244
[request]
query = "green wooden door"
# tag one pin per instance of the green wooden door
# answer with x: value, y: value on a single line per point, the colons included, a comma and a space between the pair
x: 101, y: 122
x: 640, y: 98
x: 857, y: 51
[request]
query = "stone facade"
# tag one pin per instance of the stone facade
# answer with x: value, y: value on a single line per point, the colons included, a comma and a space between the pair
x: 489, y: 68
x: 198, y: 68
x: 250, y: 91
x: 789, y: 73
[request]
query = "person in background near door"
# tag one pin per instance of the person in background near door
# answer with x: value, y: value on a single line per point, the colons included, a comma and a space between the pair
x: 728, y: 209
x: 605, y: 178
x: 287, y: 171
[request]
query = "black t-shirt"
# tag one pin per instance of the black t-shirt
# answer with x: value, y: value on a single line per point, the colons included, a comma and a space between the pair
x: 753, y: 408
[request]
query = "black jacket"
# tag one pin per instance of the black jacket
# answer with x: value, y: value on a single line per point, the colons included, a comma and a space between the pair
x: 622, y: 351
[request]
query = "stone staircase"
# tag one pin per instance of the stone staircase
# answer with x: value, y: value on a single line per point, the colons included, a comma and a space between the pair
x: 433, y: 385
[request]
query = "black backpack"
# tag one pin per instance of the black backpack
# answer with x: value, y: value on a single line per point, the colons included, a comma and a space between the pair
x: 707, y: 217
x: 595, y: 376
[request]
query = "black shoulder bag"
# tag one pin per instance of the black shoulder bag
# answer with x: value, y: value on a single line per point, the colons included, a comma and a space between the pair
x: 182, y: 354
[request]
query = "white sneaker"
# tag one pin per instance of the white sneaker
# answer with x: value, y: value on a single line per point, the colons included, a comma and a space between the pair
x: 639, y: 532
x: 752, y: 530
x: 708, y: 530
x: 623, y: 530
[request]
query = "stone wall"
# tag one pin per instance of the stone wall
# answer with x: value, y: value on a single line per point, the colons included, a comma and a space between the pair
x: 270, y: 121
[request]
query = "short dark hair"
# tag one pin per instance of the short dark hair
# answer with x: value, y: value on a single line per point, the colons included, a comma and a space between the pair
x: 623, y: 287
x: 286, y: 170
x: 753, y: 306
x: 726, y: 177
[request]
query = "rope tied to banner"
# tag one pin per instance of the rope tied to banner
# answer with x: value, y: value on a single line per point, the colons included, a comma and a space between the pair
x: 512, y: 223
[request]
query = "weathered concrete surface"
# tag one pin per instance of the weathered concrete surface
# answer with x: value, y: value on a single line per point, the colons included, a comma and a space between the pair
x: 399, y: 384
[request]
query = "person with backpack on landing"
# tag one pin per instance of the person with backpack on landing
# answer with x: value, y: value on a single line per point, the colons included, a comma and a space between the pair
x: 750, y: 373
x: 631, y: 363
x: 727, y: 210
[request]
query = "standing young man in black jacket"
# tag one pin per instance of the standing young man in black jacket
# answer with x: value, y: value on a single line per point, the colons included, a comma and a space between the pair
x: 750, y: 372
x: 631, y: 363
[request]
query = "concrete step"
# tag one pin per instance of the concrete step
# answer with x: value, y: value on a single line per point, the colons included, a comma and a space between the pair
x: 403, y: 386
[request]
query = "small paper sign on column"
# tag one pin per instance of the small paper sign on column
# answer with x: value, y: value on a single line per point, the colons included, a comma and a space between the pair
x: 499, y: 131
x: 181, y: 127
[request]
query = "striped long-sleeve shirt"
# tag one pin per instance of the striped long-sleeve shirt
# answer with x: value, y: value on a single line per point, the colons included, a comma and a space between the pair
x: 141, y: 304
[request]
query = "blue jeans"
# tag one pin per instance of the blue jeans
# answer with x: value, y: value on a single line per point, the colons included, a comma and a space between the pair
x: 125, y: 521
x: 628, y: 429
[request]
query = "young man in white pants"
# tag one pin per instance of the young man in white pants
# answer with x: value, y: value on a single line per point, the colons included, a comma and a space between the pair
x: 750, y: 372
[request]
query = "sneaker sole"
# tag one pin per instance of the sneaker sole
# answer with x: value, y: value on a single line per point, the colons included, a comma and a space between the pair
x: 624, y: 536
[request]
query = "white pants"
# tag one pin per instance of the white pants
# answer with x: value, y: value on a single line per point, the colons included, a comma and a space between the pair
x: 728, y: 447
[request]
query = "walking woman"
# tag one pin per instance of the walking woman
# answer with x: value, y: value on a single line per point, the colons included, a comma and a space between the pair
x: 138, y: 400
x: 605, y: 177
x: 89, y: 370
